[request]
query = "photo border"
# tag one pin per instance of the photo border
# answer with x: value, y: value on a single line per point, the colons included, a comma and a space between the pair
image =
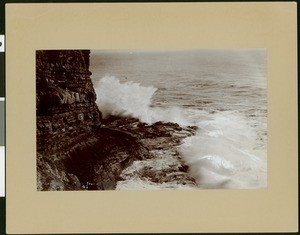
x: 30, y: 27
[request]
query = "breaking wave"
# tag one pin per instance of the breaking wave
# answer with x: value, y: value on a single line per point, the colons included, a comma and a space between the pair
x: 222, y: 154
x: 133, y: 100
x: 127, y: 99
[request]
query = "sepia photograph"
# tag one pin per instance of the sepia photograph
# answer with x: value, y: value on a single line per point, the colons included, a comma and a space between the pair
x: 151, y: 119
x: 184, y: 113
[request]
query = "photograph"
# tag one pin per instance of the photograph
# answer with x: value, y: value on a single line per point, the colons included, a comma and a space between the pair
x: 186, y: 119
x: 184, y: 113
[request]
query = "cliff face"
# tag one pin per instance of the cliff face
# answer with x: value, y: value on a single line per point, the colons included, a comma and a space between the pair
x: 65, y: 97
x: 78, y: 150
x: 73, y: 152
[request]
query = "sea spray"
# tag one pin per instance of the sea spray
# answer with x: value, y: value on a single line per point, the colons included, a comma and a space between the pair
x: 222, y: 155
x: 127, y: 99
x: 130, y: 99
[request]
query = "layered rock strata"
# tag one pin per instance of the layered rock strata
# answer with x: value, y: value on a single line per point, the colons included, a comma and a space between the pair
x: 78, y: 150
x: 73, y: 152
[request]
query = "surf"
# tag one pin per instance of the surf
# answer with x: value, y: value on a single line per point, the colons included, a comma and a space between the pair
x: 131, y: 99
x: 223, y: 152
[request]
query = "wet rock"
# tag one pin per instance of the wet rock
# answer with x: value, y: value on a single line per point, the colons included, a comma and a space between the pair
x: 73, y: 152
x: 162, y: 139
x: 143, y: 130
x: 78, y: 150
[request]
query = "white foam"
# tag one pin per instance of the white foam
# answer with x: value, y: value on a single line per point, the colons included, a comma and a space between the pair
x: 127, y: 99
x: 222, y: 155
x: 133, y: 100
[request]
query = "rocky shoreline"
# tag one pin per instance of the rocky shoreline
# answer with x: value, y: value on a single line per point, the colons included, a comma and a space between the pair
x: 165, y: 168
x: 120, y: 154
x: 79, y: 150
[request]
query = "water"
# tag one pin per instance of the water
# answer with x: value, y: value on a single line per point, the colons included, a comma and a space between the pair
x: 223, y: 92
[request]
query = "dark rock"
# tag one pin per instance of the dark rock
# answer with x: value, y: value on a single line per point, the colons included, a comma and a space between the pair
x: 77, y: 149
x: 143, y: 130
x: 162, y: 140
x: 100, y: 158
x: 73, y: 151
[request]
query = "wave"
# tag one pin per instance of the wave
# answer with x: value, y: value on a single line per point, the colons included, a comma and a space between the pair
x: 130, y: 99
x: 123, y: 99
x: 223, y: 153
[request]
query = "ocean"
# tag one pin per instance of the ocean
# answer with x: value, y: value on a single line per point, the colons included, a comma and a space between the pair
x: 223, y: 92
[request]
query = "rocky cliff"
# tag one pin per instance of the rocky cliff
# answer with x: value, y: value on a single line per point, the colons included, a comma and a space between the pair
x: 78, y: 150
x: 73, y: 152
x: 65, y: 97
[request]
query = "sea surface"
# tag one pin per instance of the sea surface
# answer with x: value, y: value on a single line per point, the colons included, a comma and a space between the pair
x: 223, y: 92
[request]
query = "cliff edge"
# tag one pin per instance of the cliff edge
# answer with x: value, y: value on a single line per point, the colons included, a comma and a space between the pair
x: 79, y: 150
x: 73, y: 151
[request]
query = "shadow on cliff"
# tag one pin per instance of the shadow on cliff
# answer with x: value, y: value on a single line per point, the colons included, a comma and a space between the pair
x: 76, y: 148
x: 73, y: 151
x: 92, y: 161
x: 99, y: 157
